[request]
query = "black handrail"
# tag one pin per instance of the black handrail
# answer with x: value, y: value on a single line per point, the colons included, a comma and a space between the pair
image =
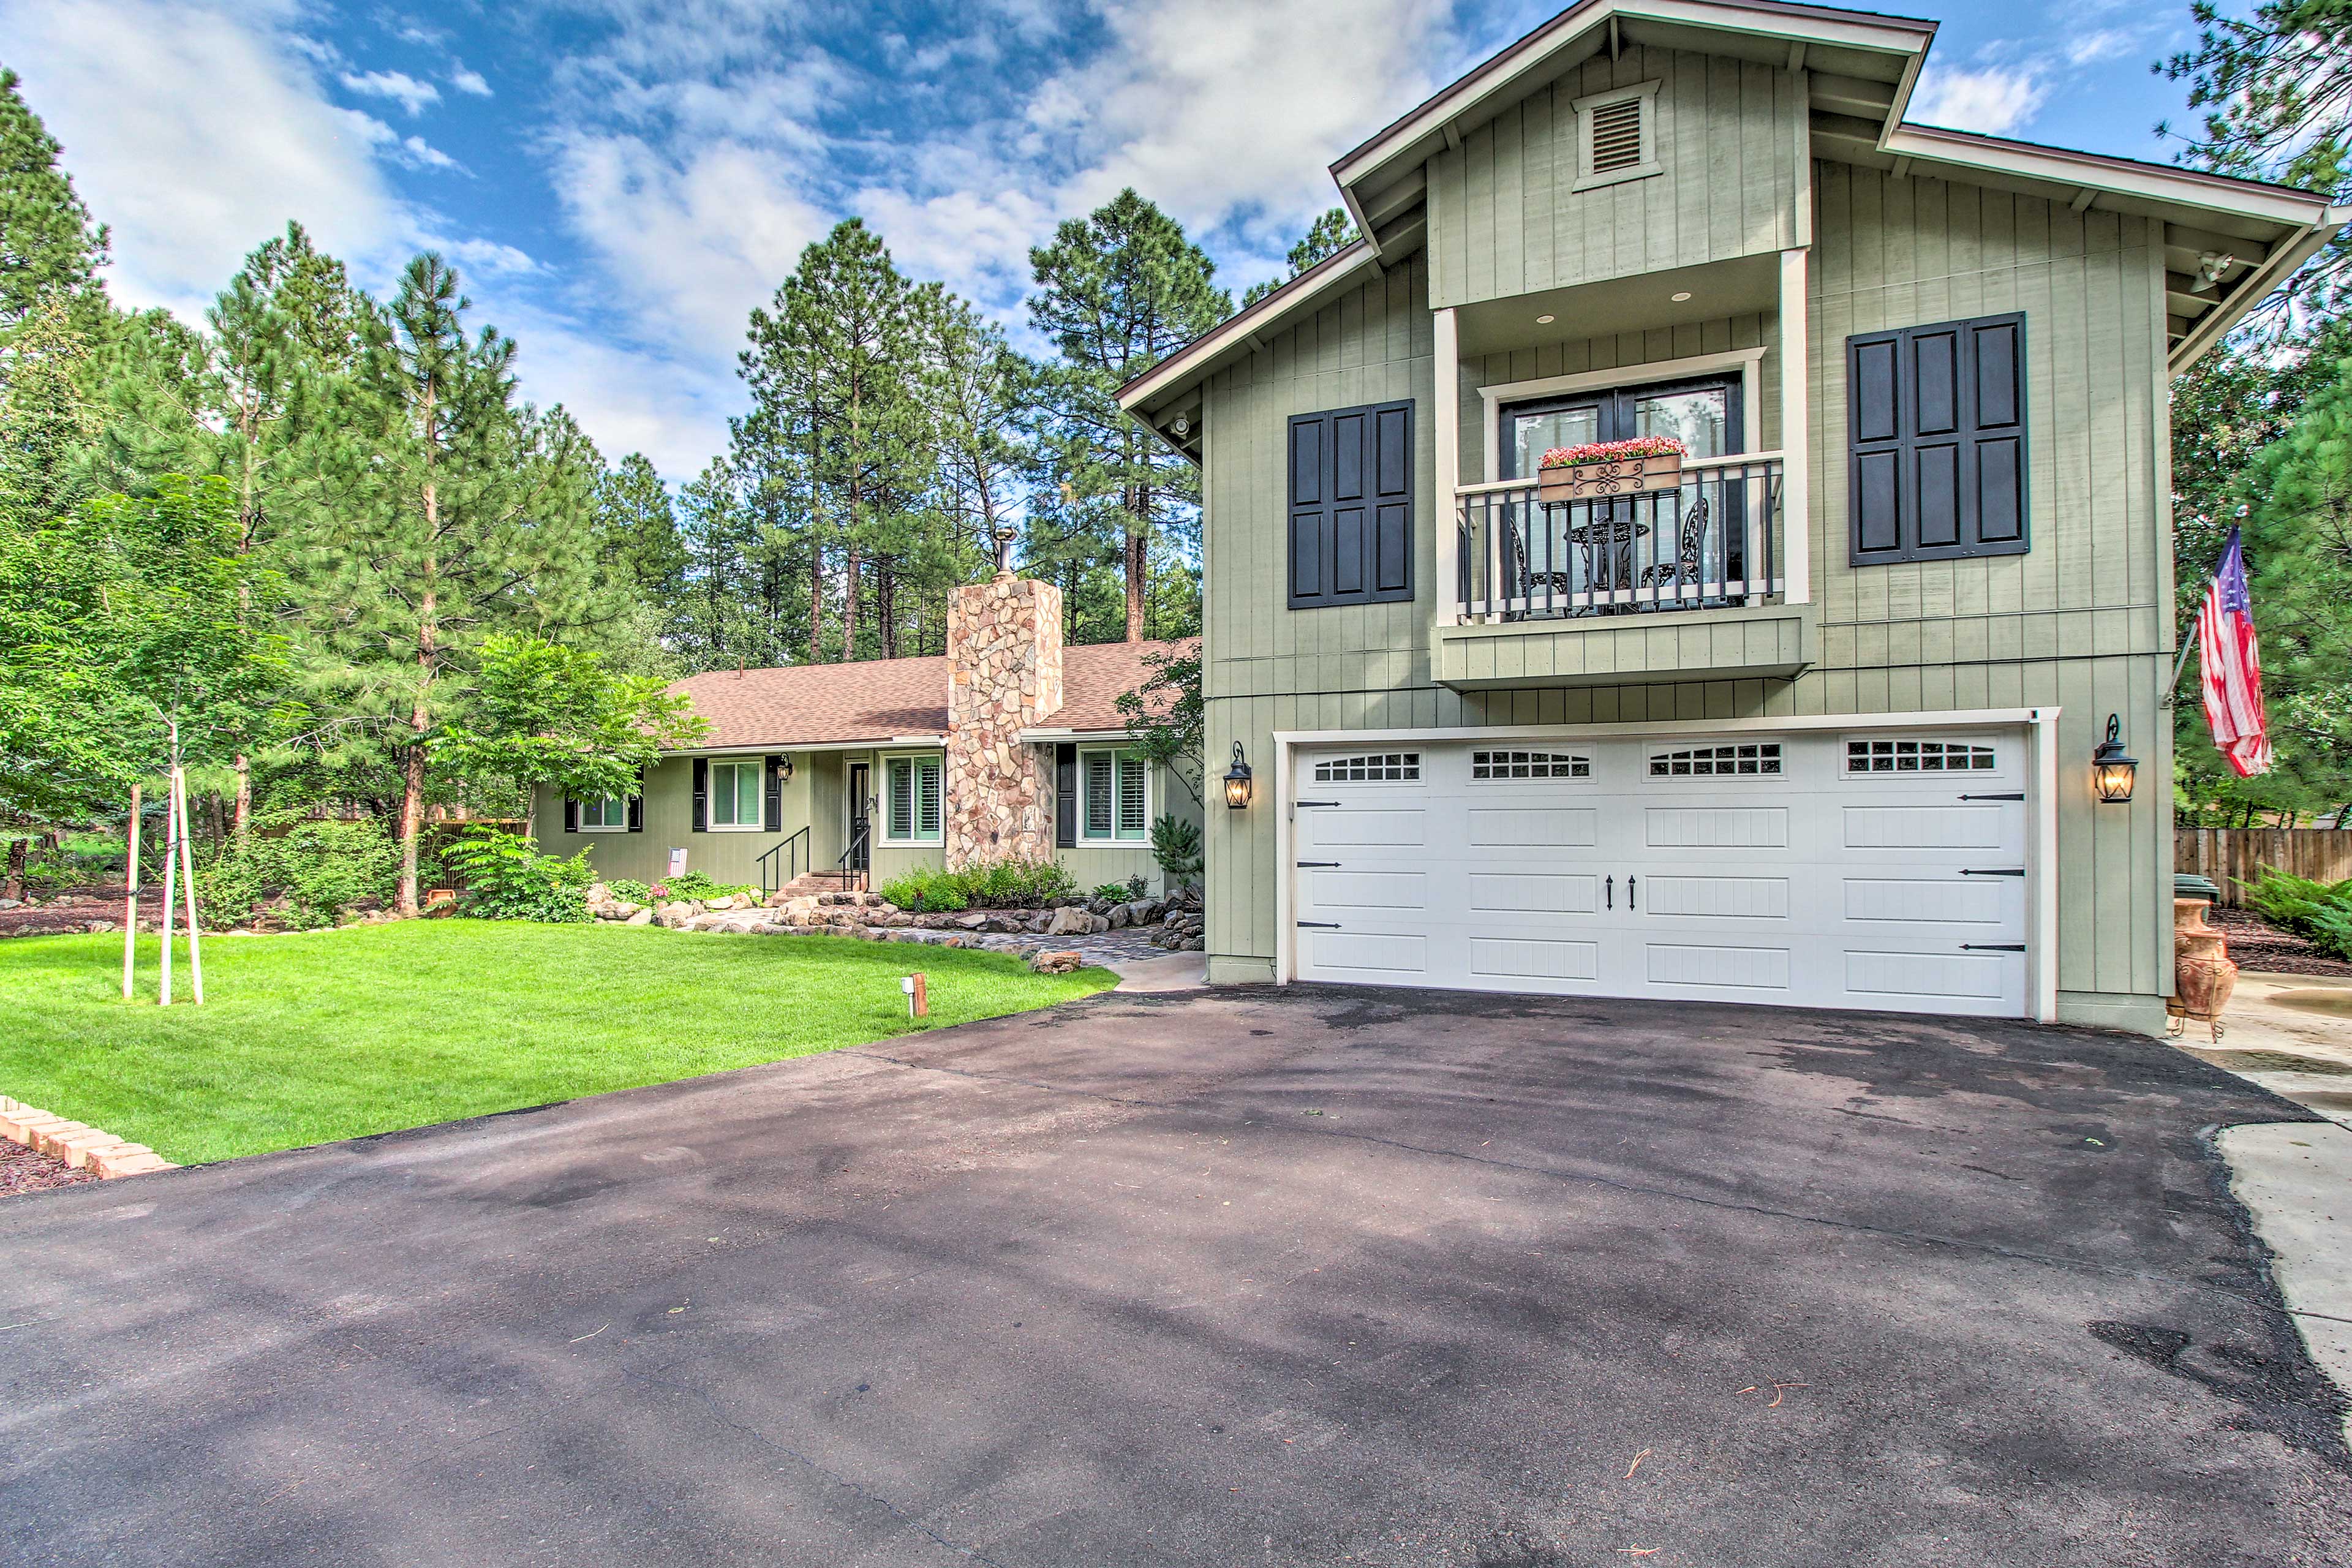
x: 773, y: 876
x: 861, y: 840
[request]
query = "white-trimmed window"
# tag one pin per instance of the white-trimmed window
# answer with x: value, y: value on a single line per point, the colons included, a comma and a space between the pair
x: 1901, y: 756
x: 1379, y: 767
x: 610, y: 815
x: 1749, y: 758
x: 1616, y: 135
x: 1115, y: 796
x: 738, y: 795
x: 1528, y: 765
x: 910, y: 800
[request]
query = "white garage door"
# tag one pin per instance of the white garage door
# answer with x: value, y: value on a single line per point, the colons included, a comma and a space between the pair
x: 1819, y: 870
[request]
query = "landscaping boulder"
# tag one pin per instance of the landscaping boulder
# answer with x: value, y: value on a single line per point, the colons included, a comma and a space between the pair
x: 598, y: 893
x: 723, y: 902
x: 640, y: 917
x: 1061, y: 962
x: 1070, y: 920
x: 973, y: 921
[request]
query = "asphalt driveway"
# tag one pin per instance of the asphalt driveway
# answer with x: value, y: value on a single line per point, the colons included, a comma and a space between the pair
x: 1254, y: 1277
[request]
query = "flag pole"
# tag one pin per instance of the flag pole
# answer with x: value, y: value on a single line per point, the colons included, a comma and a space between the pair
x: 2172, y: 688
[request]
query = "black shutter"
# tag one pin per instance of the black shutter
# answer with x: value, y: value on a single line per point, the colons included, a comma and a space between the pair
x: 638, y: 805
x: 774, y: 768
x: 702, y: 794
x: 1936, y: 441
x: 1352, y: 502
x: 1065, y: 796
x: 570, y: 815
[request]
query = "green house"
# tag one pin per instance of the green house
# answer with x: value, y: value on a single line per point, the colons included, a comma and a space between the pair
x: 1801, y: 711
x: 1009, y: 746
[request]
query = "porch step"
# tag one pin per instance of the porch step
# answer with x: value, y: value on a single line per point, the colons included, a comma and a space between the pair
x: 809, y: 883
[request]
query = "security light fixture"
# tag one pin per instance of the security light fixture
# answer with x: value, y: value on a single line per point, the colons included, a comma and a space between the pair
x: 1237, y: 780
x: 1183, y: 426
x: 2111, y: 770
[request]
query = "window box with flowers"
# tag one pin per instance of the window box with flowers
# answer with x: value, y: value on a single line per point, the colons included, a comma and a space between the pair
x: 1610, y: 468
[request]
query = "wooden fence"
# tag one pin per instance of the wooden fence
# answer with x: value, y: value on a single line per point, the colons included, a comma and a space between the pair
x: 2232, y: 855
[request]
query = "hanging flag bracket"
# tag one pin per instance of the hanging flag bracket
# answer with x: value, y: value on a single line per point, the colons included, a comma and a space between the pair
x: 2172, y: 687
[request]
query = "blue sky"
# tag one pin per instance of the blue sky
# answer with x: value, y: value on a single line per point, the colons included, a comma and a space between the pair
x: 620, y: 180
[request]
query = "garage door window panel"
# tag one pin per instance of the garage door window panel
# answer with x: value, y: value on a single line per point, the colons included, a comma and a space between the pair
x: 1379, y: 767
x: 1756, y: 759
x: 1528, y: 765
x: 1908, y: 756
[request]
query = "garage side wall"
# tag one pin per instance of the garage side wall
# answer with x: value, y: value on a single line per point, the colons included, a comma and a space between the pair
x: 2082, y: 621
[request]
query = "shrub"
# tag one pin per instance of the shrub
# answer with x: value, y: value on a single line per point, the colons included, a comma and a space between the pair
x: 1110, y: 890
x: 2331, y: 929
x: 1176, y: 846
x: 927, y: 891
x: 507, y: 880
x: 700, y: 884
x: 2294, y: 903
x: 320, y: 869
x: 629, y: 889
x: 1005, y: 885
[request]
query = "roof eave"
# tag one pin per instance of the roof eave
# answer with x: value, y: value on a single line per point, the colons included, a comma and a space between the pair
x: 2254, y: 289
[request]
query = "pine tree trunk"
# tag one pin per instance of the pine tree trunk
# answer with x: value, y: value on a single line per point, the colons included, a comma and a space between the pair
x: 849, y: 589
x: 241, y: 818
x: 885, y: 608
x: 1136, y: 548
x: 14, y: 887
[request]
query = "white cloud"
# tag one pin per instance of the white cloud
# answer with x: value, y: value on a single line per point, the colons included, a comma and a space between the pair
x: 694, y: 240
x: 197, y: 133
x: 2099, y: 44
x: 408, y: 152
x: 398, y: 85
x: 468, y: 82
x: 1991, y: 100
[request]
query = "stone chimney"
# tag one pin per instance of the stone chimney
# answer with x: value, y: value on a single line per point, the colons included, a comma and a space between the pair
x: 1005, y: 676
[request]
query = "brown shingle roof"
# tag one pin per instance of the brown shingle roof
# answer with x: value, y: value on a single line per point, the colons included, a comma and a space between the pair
x: 822, y: 704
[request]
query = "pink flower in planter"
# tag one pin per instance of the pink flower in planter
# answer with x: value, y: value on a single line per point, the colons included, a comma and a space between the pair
x: 657, y: 891
x: 1613, y: 451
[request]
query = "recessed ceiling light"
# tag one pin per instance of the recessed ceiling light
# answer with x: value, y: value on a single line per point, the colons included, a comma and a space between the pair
x: 1544, y: 321
x: 1683, y: 296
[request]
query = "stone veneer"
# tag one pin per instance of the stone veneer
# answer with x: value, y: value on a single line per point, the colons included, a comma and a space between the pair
x: 1005, y: 676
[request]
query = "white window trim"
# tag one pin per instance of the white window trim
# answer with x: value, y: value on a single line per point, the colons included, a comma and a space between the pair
x: 1584, y: 107
x: 1748, y: 363
x: 709, y: 812
x: 915, y: 816
x: 621, y: 826
x: 1151, y: 798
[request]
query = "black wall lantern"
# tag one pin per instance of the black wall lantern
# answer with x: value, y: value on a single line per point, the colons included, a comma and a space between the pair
x: 2111, y: 770
x: 1237, y: 780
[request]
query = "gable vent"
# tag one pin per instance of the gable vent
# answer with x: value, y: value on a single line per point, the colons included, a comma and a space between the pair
x: 1617, y: 135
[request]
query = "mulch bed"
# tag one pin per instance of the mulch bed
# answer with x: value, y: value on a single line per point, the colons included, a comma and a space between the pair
x: 80, y: 909
x: 23, y: 1170
x: 2252, y: 944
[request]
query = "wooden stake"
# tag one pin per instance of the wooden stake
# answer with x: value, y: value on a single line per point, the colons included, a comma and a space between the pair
x: 171, y: 848
x: 921, y: 1003
x: 188, y: 884
x: 130, y: 898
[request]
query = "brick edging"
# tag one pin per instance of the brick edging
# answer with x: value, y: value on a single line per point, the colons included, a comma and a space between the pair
x: 82, y: 1147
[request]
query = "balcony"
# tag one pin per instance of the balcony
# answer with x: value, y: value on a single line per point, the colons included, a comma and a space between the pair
x: 1578, y: 593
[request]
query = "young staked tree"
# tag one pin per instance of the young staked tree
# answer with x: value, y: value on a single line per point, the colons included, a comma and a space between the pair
x: 449, y: 512
x: 1117, y: 292
x: 1326, y: 236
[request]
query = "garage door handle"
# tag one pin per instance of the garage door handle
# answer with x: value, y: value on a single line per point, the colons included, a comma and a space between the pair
x: 1992, y: 947
x: 2020, y: 871
x: 1629, y: 892
x: 1609, y: 891
x: 2019, y: 794
x: 1334, y: 864
x: 1318, y: 925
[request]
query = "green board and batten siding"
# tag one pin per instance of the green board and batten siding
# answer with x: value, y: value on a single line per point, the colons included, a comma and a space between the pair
x: 2081, y: 621
x: 1503, y: 218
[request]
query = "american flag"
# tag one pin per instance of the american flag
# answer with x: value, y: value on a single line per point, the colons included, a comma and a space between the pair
x: 2231, y: 665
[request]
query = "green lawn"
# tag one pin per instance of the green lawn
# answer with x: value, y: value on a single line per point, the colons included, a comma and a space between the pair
x: 326, y: 1035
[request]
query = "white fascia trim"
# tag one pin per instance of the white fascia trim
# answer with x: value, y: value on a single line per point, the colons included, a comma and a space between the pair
x: 1747, y: 362
x: 1948, y: 718
x: 1317, y: 280
x: 2061, y: 166
x: 2254, y: 287
x: 1529, y: 52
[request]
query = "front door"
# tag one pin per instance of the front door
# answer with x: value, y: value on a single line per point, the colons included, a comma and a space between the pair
x: 861, y: 817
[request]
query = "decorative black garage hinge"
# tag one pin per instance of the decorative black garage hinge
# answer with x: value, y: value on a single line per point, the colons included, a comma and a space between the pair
x: 2019, y: 871
x: 1303, y: 805
x: 1318, y: 925
x: 1319, y: 865
x: 2017, y: 795
x: 1992, y: 947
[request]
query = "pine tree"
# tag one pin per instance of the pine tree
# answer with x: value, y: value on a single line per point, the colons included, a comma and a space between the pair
x: 48, y: 244
x: 449, y: 513
x: 640, y: 524
x: 1326, y: 236
x: 1117, y: 292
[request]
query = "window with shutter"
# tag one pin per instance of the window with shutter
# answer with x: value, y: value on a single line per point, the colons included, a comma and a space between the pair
x: 1118, y: 795
x: 1351, y: 506
x: 1616, y: 136
x: 910, y: 800
x: 1936, y: 441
